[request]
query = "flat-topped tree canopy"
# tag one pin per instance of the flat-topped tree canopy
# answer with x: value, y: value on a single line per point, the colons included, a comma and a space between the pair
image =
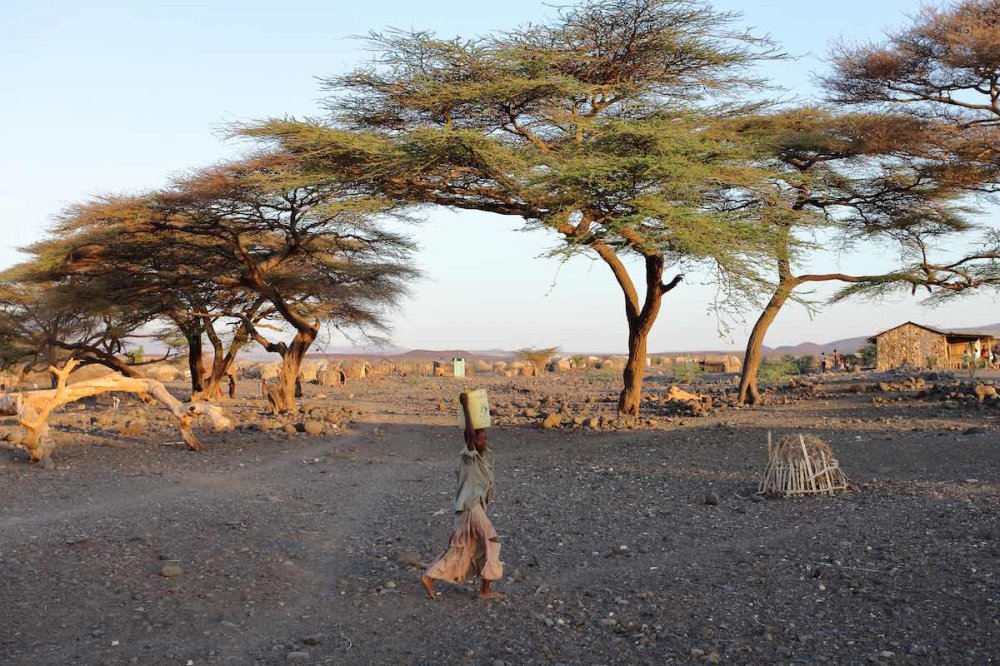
x: 260, y: 238
x: 602, y: 125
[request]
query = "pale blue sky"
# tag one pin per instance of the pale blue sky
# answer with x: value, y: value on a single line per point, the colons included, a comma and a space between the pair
x: 114, y: 95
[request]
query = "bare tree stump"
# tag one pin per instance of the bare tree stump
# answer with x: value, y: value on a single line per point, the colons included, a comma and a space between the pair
x: 33, y: 408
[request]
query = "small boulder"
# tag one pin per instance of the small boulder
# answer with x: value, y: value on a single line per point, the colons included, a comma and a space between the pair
x: 133, y: 428
x: 409, y: 558
x: 711, y: 498
x: 313, y: 428
x: 551, y: 421
x: 984, y: 391
x: 290, y: 428
x: 171, y: 570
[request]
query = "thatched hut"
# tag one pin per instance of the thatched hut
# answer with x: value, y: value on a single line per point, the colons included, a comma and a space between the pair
x: 331, y: 375
x: 357, y: 369
x: 564, y: 364
x: 721, y: 363
x: 383, y: 368
x: 310, y: 369
x: 162, y: 372
x: 912, y: 345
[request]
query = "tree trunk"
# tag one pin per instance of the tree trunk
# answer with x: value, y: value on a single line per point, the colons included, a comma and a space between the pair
x: 291, y: 365
x: 635, y: 367
x: 196, y: 362
x: 222, y: 360
x: 749, y: 395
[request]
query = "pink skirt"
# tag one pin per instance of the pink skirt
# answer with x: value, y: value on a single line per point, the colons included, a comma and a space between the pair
x: 474, y: 550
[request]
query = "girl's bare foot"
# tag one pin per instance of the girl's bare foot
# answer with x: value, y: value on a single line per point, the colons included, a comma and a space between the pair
x: 428, y: 584
x: 486, y: 592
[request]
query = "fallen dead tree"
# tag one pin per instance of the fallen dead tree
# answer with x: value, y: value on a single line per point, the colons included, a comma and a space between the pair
x: 32, y: 408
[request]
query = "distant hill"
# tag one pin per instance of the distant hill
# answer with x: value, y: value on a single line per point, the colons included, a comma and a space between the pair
x: 844, y: 345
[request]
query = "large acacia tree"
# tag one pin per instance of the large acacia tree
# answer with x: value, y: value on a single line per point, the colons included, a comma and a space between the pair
x: 601, y: 126
x: 874, y: 180
x: 108, y: 247
x: 306, y: 248
x: 945, y: 65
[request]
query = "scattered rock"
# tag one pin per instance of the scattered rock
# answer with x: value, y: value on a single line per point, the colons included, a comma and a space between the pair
x: 711, y: 498
x: 298, y: 656
x: 290, y: 428
x: 409, y: 558
x: 551, y: 421
x: 312, y: 640
x: 171, y: 570
x: 313, y: 428
x: 984, y: 391
x: 133, y: 428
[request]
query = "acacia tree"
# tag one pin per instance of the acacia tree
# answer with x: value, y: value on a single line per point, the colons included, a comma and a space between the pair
x: 46, y: 323
x: 537, y: 357
x: 307, y: 249
x: 945, y: 66
x: 598, y: 126
x: 106, y: 247
x: 854, y: 179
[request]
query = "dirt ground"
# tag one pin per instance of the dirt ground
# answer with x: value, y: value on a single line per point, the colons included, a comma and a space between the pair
x: 291, y: 548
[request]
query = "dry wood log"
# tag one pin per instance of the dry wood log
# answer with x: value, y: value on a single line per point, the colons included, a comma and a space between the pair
x: 679, y: 394
x: 33, y: 408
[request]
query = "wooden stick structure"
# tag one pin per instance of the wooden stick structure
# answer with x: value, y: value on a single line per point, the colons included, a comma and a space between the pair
x: 33, y: 408
x: 802, y: 465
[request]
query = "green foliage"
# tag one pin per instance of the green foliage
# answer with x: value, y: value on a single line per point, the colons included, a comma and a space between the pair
x: 537, y: 357
x: 776, y: 371
x: 688, y: 371
x: 135, y: 355
x: 807, y: 364
x: 869, y: 355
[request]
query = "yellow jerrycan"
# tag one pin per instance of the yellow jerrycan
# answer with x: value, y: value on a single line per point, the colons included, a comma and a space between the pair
x: 479, y: 409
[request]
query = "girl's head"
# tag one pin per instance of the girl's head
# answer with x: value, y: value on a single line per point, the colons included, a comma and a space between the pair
x: 477, y: 438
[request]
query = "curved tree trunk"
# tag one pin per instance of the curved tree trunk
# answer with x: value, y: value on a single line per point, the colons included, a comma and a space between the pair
x: 635, y: 366
x: 640, y: 323
x: 222, y: 361
x: 749, y: 395
x: 282, y: 394
x: 33, y: 408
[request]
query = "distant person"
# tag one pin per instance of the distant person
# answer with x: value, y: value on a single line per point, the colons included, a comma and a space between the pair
x: 837, y: 362
x: 474, y: 548
x: 232, y: 387
x: 823, y: 363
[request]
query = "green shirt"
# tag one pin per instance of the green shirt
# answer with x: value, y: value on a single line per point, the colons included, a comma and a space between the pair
x: 475, y: 480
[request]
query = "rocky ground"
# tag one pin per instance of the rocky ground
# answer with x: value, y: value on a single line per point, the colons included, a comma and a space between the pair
x: 276, y: 546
